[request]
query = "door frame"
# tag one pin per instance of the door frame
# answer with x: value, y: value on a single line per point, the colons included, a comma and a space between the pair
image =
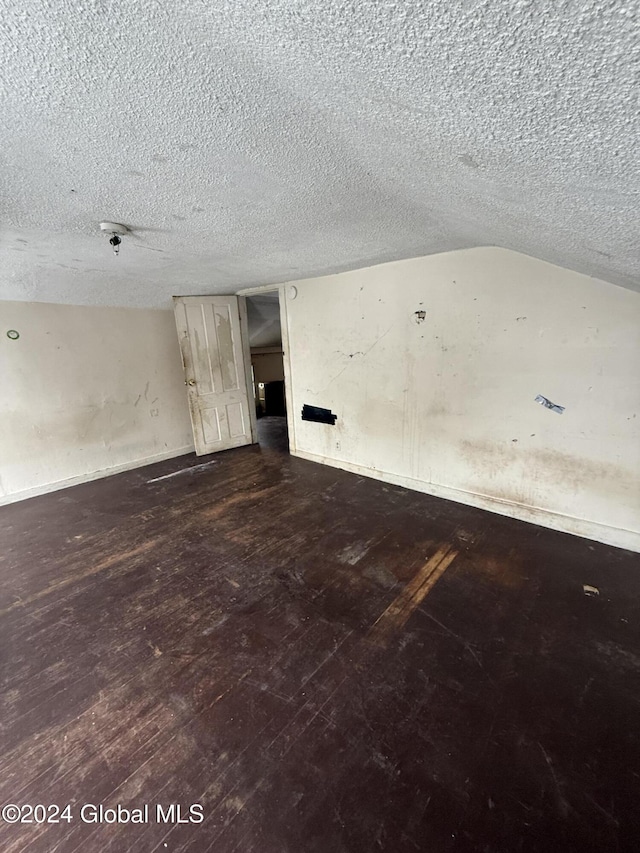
x: 281, y: 290
x: 246, y: 357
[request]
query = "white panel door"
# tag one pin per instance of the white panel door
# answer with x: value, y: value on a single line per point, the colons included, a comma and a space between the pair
x: 215, y: 354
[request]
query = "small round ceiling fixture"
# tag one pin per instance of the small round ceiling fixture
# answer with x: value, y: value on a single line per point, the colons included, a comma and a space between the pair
x: 13, y: 335
x: 116, y: 230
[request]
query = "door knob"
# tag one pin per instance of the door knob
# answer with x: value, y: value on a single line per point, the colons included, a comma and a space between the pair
x: 192, y: 382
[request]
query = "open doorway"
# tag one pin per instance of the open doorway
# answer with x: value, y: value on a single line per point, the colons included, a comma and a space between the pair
x: 267, y: 369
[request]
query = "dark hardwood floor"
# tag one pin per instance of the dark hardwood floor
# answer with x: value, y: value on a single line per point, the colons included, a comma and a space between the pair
x: 322, y: 662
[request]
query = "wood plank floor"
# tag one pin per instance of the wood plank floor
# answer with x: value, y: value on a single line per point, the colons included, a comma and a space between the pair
x: 321, y: 661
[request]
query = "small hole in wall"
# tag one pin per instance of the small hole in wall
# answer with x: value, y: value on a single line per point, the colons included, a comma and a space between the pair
x: 419, y: 316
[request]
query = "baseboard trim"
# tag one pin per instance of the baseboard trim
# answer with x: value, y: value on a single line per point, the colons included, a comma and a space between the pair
x: 616, y: 536
x: 34, y: 492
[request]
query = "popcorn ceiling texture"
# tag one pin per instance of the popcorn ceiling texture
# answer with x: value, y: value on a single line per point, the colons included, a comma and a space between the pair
x: 249, y: 142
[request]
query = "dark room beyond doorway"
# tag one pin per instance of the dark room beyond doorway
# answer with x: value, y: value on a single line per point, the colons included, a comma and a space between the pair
x: 267, y: 369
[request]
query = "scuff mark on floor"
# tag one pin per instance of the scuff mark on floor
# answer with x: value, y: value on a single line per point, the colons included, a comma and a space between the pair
x: 353, y: 553
x: 188, y: 470
x: 401, y: 608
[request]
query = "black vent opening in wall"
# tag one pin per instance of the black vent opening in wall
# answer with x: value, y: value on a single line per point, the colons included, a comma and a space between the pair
x: 320, y: 416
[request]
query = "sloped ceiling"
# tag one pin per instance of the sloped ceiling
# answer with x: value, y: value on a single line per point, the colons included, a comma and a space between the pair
x: 263, y: 316
x: 249, y: 142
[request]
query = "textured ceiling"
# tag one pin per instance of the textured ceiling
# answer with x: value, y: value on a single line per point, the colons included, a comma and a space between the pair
x: 254, y: 142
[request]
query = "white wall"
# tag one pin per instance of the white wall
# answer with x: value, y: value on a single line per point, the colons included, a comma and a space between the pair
x: 267, y: 364
x: 84, y: 392
x: 447, y: 405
